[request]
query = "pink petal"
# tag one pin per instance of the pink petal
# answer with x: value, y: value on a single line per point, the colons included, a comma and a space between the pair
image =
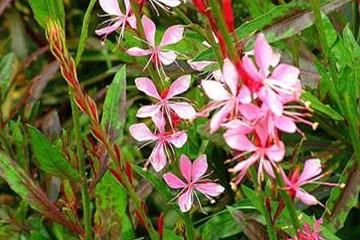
x: 108, y: 29
x: 167, y: 58
x: 158, y: 157
x: 285, y: 178
x: 132, y: 21
x: 183, y: 109
x: 285, y: 124
x: 173, y: 181
x: 147, y: 86
x: 244, y: 95
x: 268, y: 168
x: 251, y: 69
x: 186, y: 200
x: 306, y: 198
x: 149, y: 29
x: 159, y: 121
x: 250, y: 111
x: 179, y: 86
x: 170, y: 3
x: 138, y: 52
x: 287, y: 74
x: 215, y: 90
x: 230, y: 76
x: 312, y: 168
x: 238, y: 141
x: 141, y: 132
x: 244, y: 165
x: 148, y: 111
x: 276, y: 152
x: 264, y: 55
x: 209, y: 188
x: 185, y: 167
x: 199, y: 167
x: 238, y: 126
x: 200, y: 65
x: 127, y: 6
x: 111, y: 7
x: 178, y: 139
x: 271, y: 99
x: 172, y: 35
x: 220, y: 117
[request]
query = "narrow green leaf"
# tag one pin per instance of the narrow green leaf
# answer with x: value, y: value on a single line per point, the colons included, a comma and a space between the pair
x: 111, y: 205
x: 25, y: 187
x: 114, y: 110
x: 50, y: 159
x: 317, y: 105
x: 84, y: 32
x: 6, y: 64
x: 342, y: 200
x: 43, y: 9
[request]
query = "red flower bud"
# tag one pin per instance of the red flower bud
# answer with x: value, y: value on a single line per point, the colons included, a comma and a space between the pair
x: 160, y: 225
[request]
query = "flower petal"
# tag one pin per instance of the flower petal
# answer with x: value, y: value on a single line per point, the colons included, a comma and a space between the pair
x: 276, y: 152
x: 149, y: 29
x: 264, y: 55
x: 220, y: 117
x: 147, y: 86
x: 244, y: 95
x: 170, y: 3
x: 141, y: 132
x: 185, y: 167
x: 250, y: 111
x: 183, y: 109
x: 148, y: 111
x: 110, y: 7
x: 158, y: 157
x: 186, y: 200
x: 199, y: 65
x: 285, y: 124
x: 286, y: 74
x: 271, y: 99
x: 237, y: 141
x: 138, y: 52
x: 230, y: 76
x: 178, y: 139
x: 209, y: 188
x: 312, y: 168
x: 215, y: 90
x: 173, y: 181
x: 172, y: 35
x: 306, y: 198
x: 250, y: 68
x: 108, y: 29
x: 199, y: 167
x: 179, y: 86
x: 167, y: 57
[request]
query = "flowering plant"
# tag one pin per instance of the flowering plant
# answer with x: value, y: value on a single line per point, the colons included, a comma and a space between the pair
x: 223, y: 120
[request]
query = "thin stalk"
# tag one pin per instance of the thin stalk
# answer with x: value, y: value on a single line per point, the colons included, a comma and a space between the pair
x: 81, y: 160
x: 264, y: 211
x: 287, y: 200
x: 213, y: 43
x: 356, y: 20
x: 193, y: 26
x: 189, y: 227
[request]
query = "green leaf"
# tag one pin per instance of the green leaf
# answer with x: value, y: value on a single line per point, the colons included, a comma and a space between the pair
x: 170, y: 235
x: 251, y: 194
x: 111, y: 205
x: 6, y: 64
x: 114, y: 110
x: 317, y: 105
x: 84, y: 31
x: 342, y: 200
x: 25, y: 187
x: 50, y: 159
x: 43, y: 9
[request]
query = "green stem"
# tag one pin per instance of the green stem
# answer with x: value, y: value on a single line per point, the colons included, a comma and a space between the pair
x: 213, y: 43
x: 193, y: 26
x: 188, y: 227
x: 81, y: 159
x: 287, y: 200
x: 84, y: 32
x: 264, y: 210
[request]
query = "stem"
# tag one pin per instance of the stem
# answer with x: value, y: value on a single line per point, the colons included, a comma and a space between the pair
x: 287, y: 200
x: 213, y: 43
x: 81, y: 160
x: 264, y: 211
x: 193, y: 26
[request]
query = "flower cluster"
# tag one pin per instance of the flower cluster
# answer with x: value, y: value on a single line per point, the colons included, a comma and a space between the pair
x: 255, y: 112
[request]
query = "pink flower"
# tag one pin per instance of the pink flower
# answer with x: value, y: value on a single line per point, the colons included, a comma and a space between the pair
x: 310, y: 174
x: 273, y: 88
x: 165, y: 105
x: 227, y: 97
x: 118, y: 19
x: 164, y: 140
x: 193, y: 173
x: 157, y: 53
x: 262, y: 151
x: 309, y: 233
